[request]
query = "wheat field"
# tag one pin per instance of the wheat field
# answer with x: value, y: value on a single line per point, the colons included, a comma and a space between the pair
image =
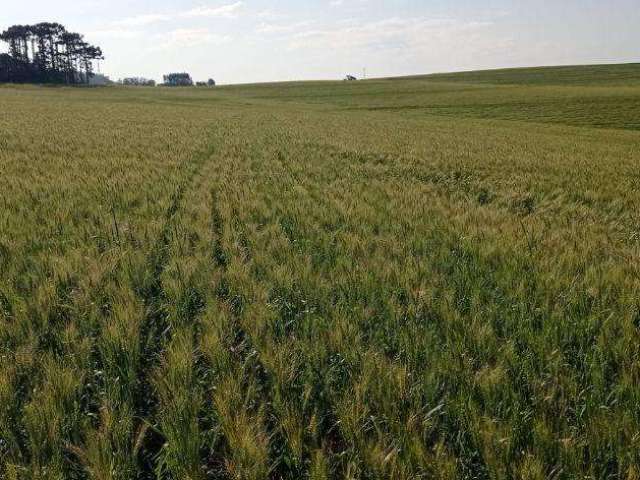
x: 418, y: 278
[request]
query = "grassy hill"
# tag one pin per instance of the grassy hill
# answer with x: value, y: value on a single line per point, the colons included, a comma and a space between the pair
x: 430, y: 277
x: 591, y: 75
x: 602, y: 95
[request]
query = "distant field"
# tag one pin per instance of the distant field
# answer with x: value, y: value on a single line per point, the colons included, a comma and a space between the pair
x: 430, y: 277
x: 605, y: 75
x: 600, y: 96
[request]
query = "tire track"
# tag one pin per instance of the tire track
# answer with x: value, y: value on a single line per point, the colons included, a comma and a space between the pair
x: 156, y: 330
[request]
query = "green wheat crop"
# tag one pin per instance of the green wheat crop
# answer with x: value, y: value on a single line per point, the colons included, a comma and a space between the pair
x: 429, y: 277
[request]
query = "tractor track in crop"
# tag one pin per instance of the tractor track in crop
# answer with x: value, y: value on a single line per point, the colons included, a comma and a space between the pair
x: 156, y: 331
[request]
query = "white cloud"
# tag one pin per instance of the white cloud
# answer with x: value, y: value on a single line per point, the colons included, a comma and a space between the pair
x: 189, y: 37
x: 389, y: 34
x: 271, y: 28
x: 116, y: 32
x: 143, y: 20
x: 340, y: 3
x: 270, y: 15
x: 225, y: 11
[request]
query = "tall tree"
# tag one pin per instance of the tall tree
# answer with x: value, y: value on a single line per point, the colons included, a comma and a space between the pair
x: 47, y: 52
x: 12, y: 37
x: 88, y: 55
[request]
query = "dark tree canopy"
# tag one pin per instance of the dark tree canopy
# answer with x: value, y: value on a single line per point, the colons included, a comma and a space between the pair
x: 178, y: 80
x: 138, y: 82
x: 46, y: 53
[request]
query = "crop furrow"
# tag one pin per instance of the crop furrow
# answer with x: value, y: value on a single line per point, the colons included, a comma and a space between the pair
x: 132, y: 351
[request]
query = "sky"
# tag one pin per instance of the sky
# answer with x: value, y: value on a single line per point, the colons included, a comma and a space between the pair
x: 239, y: 41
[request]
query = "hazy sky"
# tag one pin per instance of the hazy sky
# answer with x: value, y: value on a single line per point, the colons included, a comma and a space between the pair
x: 263, y: 40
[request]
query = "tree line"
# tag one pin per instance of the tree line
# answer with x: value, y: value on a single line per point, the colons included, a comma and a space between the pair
x: 178, y: 80
x: 46, y: 53
x: 137, y: 82
x: 170, y: 80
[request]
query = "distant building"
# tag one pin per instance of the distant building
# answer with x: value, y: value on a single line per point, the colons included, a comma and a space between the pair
x: 350, y: 78
x: 98, y: 79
